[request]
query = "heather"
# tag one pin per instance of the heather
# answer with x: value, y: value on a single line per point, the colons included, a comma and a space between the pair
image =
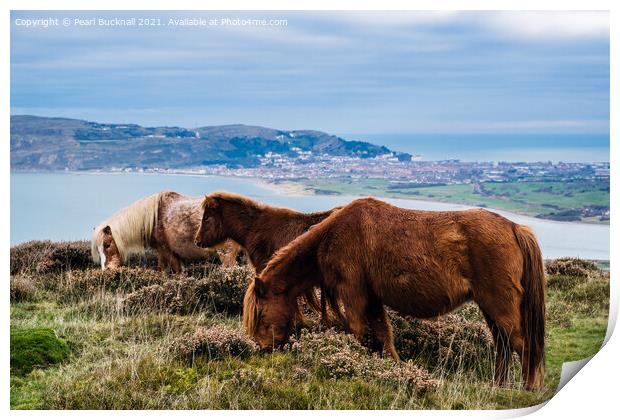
x: 83, y: 338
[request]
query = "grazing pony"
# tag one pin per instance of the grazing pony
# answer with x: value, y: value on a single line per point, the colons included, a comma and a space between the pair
x: 419, y: 263
x: 260, y: 229
x: 166, y: 222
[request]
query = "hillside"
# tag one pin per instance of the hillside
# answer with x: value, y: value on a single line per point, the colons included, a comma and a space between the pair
x: 40, y: 143
x: 134, y: 338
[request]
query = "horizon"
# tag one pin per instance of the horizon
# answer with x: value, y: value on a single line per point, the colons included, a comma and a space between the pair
x: 355, y: 72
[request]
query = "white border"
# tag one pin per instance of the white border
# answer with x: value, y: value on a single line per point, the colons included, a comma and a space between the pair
x: 591, y: 393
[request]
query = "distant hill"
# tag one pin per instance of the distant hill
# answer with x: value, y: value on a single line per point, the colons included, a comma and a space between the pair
x: 40, y: 143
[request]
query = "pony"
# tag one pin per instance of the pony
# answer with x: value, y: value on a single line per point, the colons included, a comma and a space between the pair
x: 260, y: 229
x: 419, y: 263
x: 166, y: 222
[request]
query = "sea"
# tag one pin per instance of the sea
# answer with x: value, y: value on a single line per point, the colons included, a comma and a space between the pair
x: 496, y: 147
x: 67, y: 206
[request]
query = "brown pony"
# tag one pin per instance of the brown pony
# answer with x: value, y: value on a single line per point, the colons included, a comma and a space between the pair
x: 419, y: 263
x: 260, y: 229
x: 166, y: 222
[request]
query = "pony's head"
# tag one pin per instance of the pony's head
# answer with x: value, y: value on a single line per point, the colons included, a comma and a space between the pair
x: 211, y: 231
x: 104, y: 249
x: 267, y: 315
x: 132, y: 227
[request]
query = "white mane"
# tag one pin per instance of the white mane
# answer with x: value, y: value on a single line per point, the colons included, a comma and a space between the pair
x: 132, y: 228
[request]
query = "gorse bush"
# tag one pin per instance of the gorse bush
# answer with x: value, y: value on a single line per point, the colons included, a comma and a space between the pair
x: 332, y: 354
x: 44, y: 257
x: 215, y: 343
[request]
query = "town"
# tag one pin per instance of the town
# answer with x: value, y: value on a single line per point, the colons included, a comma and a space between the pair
x: 558, y: 191
x: 305, y: 165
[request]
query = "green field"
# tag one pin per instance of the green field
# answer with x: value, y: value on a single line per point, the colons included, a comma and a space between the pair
x: 139, y: 339
x: 531, y: 198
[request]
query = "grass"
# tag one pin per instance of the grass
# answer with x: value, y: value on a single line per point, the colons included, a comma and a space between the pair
x: 530, y: 198
x: 162, y: 357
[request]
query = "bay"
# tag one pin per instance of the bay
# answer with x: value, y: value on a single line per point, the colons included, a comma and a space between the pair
x: 67, y: 206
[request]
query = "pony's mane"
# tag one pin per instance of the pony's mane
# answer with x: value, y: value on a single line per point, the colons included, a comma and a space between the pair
x: 232, y: 198
x: 252, y: 204
x: 132, y: 227
x: 250, y: 310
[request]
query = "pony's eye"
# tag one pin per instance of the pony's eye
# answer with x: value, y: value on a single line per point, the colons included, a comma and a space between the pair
x: 106, y: 246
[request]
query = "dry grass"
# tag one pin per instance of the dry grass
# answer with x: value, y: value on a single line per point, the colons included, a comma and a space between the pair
x: 141, y: 339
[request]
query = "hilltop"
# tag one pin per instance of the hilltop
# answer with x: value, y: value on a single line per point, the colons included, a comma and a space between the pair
x: 41, y: 143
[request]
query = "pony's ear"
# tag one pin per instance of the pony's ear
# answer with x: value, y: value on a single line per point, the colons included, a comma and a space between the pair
x: 107, y: 230
x: 259, y: 287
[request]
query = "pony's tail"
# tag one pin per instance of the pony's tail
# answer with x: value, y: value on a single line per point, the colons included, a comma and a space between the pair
x: 532, y: 305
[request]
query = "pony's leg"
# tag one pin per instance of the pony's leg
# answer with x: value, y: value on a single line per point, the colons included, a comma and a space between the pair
x: 163, y: 260
x: 506, y: 318
x: 379, y: 322
x: 175, y: 264
x: 227, y: 254
x: 355, y: 311
x: 502, y: 352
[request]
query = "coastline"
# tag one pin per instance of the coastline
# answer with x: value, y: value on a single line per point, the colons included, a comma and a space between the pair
x: 296, y: 189
x: 291, y: 188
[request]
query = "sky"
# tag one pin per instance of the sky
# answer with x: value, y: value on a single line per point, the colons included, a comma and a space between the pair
x: 339, y: 72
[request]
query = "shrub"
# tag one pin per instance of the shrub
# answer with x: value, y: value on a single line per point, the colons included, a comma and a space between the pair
x: 146, y: 260
x: 333, y: 354
x: 23, y: 289
x: 172, y: 296
x: 215, y: 343
x: 32, y: 348
x: 225, y: 288
x: 79, y: 284
x: 449, y: 342
x: 222, y: 291
x: 408, y: 374
x: 44, y: 257
x: 574, y: 267
x: 199, y: 270
x: 26, y: 256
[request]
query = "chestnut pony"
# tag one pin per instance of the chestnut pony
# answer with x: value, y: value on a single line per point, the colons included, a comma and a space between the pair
x: 419, y: 263
x: 260, y: 229
x: 166, y: 222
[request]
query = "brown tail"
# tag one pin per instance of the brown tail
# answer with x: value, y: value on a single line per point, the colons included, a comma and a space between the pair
x: 533, y: 304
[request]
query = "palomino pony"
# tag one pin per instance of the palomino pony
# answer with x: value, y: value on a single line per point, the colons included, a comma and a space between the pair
x: 166, y: 222
x: 260, y: 229
x: 419, y: 263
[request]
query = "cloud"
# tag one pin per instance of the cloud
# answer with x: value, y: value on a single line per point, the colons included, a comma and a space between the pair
x: 342, y: 72
x: 548, y: 25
